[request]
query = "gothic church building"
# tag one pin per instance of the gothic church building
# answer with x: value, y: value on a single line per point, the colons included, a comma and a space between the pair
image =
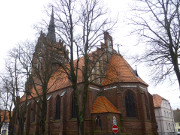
x: 120, y: 98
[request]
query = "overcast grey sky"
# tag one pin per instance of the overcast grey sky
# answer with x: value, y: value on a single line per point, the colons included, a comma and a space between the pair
x: 19, y: 16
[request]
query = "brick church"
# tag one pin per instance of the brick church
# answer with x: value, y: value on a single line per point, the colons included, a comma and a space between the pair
x: 121, y: 97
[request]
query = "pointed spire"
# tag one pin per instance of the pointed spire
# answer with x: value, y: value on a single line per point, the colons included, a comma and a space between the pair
x: 51, y: 29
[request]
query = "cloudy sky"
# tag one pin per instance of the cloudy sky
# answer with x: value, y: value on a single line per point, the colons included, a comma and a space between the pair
x: 18, y: 18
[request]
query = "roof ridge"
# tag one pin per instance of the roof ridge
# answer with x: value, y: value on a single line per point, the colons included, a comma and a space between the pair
x: 105, y: 103
x: 131, y: 70
x: 161, y: 97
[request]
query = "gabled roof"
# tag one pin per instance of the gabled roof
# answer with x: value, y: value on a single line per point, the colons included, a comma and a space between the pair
x: 120, y: 71
x: 157, y: 100
x: 176, y: 115
x: 103, y: 105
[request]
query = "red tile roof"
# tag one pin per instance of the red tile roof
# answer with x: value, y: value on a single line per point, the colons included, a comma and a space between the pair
x: 5, y: 114
x: 103, y: 105
x: 120, y: 71
x: 157, y: 100
x: 59, y: 80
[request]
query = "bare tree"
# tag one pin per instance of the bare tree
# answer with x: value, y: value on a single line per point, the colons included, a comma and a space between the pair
x: 157, y: 22
x: 13, y: 83
x: 24, y: 53
x: 43, y: 67
x: 80, y: 26
x: 39, y: 67
x: 13, y: 80
x: 5, y: 100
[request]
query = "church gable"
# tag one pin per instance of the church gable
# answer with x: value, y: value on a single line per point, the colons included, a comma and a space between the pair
x: 120, y: 71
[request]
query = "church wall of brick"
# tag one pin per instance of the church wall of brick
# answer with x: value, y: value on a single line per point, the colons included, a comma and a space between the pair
x: 68, y: 125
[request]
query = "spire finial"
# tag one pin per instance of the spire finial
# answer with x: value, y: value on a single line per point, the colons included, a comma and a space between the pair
x: 118, y: 48
x: 135, y: 71
x: 51, y: 29
x: 52, y: 13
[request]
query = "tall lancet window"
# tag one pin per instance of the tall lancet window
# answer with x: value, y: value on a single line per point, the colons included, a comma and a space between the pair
x: 147, y: 108
x: 109, y: 45
x: 58, y: 108
x: 33, y: 113
x: 130, y: 104
x: 74, y: 111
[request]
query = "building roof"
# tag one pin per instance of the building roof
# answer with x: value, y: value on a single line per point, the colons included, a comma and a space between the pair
x: 4, y: 115
x: 118, y: 70
x: 51, y: 29
x: 103, y: 105
x: 176, y: 115
x: 157, y: 99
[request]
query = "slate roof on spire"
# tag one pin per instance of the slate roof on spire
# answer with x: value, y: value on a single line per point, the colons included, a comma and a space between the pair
x: 51, y: 29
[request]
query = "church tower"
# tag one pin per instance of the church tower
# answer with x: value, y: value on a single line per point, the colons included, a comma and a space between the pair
x: 51, y: 35
x: 48, y: 52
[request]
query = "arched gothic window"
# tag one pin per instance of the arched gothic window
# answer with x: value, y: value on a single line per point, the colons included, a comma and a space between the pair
x: 33, y: 113
x: 130, y: 105
x: 74, y: 111
x: 98, y: 122
x: 58, y: 106
x: 147, y: 108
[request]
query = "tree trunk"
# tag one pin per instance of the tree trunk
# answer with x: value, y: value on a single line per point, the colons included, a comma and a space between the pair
x: 10, y: 128
x: 43, y: 113
x: 0, y: 126
x: 178, y: 75
x: 11, y: 125
x: 42, y: 127
x: 81, y: 127
x: 21, y: 124
x: 21, y: 130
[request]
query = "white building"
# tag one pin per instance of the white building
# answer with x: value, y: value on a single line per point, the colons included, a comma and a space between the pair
x: 4, y: 128
x: 164, y: 115
x: 4, y: 114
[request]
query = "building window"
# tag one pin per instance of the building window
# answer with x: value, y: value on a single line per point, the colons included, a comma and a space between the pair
x: 147, y: 108
x: 39, y: 63
x: 74, y: 110
x: 98, y: 122
x: 109, y: 45
x: 5, y: 118
x: 33, y: 113
x: 58, y: 106
x: 4, y: 132
x: 170, y: 126
x: 130, y: 105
